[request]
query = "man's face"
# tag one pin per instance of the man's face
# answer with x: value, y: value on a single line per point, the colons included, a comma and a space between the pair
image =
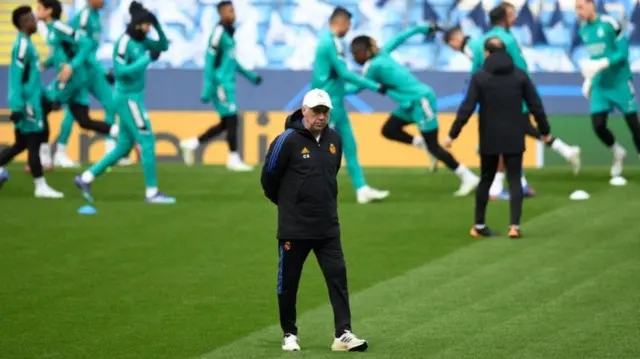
x: 361, y: 56
x: 29, y: 23
x: 456, y: 40
x: 316, y: 118
x: 145, y: 27
x: 96, y: 4
x: 585, y: 9
x: 42, y: 13
x: 342, y: 25
x: 228, y: 14
x: 511, y: 16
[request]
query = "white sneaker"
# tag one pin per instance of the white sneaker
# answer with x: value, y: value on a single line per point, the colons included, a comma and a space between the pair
x: 574, y: 159
x: 290, y: 343
x: 367, y: 194
x: 45, y: 191
x: 349, y: 342
x: 125, y: 162
x: 618, y: 159
x: 62, y: 160
x: 469, y: 183
x: 235, y: 163
x: 189, y: 148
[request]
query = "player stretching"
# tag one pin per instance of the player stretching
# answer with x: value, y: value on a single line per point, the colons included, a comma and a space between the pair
x: 220, y: 88
x: 608, y: 79
x: 130, y: 60
x: 502, y: 18
x: 71, y: 50
x: 417, y: 101
x: 99, y: 83
x: 330, y: 74
x: 28, y: 106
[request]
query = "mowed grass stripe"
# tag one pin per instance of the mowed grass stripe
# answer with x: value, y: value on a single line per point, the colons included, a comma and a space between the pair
x: 388, y: 312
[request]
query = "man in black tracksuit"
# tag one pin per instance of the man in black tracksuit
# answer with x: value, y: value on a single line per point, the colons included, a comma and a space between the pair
x: 299, y: 176
x: 499, y: 87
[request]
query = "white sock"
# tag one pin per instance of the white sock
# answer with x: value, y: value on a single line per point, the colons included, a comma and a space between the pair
x: 234, y: 156
x: 498, y: 184
x: 524, y: 181
x: 87, y: 177
x: 562, y: 148
x: 192, y: 143
x: 40, y: 182
x: 60, y: 148
x: 1, y: 170
x: 113, y: 131
x: 151, y: 191
x: 617, y: 149
x: 462, y: 171
x: 418, y: 141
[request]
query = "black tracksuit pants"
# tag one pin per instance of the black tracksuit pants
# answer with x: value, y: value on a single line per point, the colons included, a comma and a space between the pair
x: 328, y: 252
x: 488, y: 168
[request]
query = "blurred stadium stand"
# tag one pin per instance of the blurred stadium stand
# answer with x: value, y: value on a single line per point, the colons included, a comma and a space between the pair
x: 282, y: 34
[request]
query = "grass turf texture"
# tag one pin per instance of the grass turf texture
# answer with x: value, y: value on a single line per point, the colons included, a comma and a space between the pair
x: 197, y: 279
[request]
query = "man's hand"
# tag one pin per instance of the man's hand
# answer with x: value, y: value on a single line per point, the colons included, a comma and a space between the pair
x: 258, y: 80
x: 111, y: 79
x: 586, y: 87
x: 448, y: 142
x: 65, y: 73
x: 155, y: 55
x: 547, y: 138
x: 591, y: 67
x: 16, y: 116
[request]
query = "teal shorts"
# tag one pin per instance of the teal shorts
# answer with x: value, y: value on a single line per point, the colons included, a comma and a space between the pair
x: 224, y: 101
x: 422, y: 111
x: 621, y: 97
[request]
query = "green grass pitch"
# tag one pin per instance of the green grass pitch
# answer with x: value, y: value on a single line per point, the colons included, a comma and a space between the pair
x: 197, y: 279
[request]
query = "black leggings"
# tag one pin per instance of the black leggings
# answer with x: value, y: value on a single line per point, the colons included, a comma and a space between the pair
x: 599, y: 122
x: 393, y: 129
x: 489, y: 166
x: 228, y: 123
x: 30, y: 142
x: 81, y: 115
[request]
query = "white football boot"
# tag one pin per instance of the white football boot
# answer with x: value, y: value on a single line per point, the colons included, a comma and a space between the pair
x: 367, y: 194
x: 349, y: 342
x: 290, y: 343
x: 235, y: 163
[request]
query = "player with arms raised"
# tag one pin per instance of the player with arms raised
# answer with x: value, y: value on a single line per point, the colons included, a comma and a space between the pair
x: 608, y: 79
x: 132, y: 54
x: 416, y: 101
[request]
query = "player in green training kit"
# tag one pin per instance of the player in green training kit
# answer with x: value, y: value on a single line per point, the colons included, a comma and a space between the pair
x: 417, y: 102
x: 219, y: 87
x: 608, y: 79
x: 133, y: 52
x: 87, y: 21
x: 330, y: 73
x: 502, y: 18
x: 29, y: 108
x: 71, y: 50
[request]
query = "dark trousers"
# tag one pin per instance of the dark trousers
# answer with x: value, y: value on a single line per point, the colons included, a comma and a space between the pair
x: 329, y: 254
x: 488, y: 168
x: 30, y: 142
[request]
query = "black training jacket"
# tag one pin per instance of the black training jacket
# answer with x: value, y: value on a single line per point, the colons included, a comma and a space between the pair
x: 299, y: 176
x: 500, y: 88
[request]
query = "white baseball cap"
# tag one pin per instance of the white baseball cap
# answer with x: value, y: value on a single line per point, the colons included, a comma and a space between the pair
x: 316, y: 97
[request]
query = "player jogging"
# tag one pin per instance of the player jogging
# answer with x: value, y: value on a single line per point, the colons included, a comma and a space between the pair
x: 71, y: 50
x: 608, y: 79
x: 27, y: 103
x: 502, y: 18
x: 219, y: 87
x: 330, y: 73
x: 132, y: 54
x: 99, y: 82
x: 417, y: 102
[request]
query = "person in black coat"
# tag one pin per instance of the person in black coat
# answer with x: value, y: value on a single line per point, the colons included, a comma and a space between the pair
x: 299, y: 176
x: 499, y: 88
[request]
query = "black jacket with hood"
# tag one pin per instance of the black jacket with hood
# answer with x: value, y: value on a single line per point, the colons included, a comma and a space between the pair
x: 299, y: 176
x: 500, y: 88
